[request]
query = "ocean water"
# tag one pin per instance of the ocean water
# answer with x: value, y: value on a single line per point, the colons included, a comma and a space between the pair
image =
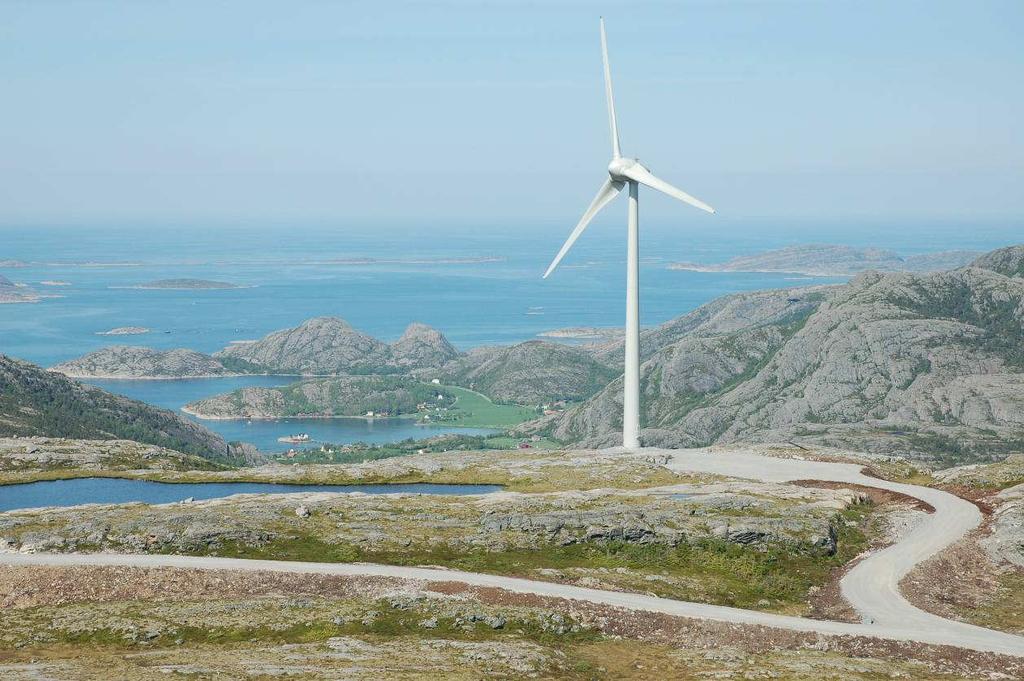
x: 478, y: 285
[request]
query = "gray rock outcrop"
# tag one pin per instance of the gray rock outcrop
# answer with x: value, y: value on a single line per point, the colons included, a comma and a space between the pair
x: 533, y: 372
x: 125, y: 361
x: 330, y: 346
x: 931, y: 365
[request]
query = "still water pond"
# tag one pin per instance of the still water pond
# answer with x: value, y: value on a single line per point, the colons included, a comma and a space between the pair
x: 118, y: 491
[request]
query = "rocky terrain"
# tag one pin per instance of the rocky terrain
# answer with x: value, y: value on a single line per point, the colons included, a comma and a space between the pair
x: 328, y: 346
x: 340, y: 396
x: 742, y: 513
x: 36, y: 458
x: 119, y: 624
x: 929, y: 364
x: 35, y: 402
x: 824, y: 260
x: 622, y: 524
x: 12, y: 293
x: 1006, y: 261
x: 126, y: 361
x: 603, y: 520
x: 529, y: 373
x: 421, y: 346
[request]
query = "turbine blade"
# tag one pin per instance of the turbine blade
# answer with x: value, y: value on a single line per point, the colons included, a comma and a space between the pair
x: 608, y: 94
x: 644, y: 177
x: 608, y: 191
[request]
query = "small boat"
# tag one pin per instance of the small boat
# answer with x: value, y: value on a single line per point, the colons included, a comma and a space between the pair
x: 295, y: 439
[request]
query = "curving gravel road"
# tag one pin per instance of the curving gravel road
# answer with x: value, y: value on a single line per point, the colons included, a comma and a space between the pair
x: 872, y: 586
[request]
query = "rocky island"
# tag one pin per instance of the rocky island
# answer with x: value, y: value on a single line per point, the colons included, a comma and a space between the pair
x: 326, y: 346
x: 825, y: 260
x: 127, y: 361
x: 13, y: 293
x: 185, y: 284
x: 582, y: 333
x: 124, y: 331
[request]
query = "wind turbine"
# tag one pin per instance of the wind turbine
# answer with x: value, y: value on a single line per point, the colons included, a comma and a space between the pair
x: 623, y: 171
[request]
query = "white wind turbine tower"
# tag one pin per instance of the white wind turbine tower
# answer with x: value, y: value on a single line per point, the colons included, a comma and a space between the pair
x: 623, y: 171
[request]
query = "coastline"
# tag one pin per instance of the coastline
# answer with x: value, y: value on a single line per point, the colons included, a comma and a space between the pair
x: 209, y: 417
x: 710, y: 269
x: 106, y: 377
x: 185, y: 288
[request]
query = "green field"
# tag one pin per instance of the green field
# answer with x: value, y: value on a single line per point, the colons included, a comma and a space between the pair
x: 473, y: 410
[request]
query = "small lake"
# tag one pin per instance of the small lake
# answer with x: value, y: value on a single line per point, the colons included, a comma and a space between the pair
x: 119, y: 491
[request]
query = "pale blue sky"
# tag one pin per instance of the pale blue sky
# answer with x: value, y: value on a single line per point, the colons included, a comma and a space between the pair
x: 468, y: 112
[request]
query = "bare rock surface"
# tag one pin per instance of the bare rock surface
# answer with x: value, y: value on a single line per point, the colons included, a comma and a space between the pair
x: 329, y: 345
x: 930, y: 364
x: 127, y: 361
x: 529, y: 373
x: 25, y: 455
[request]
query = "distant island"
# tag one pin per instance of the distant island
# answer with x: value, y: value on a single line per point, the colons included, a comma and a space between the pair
x: 582, y: 333
x: 184, y: 284
x: 443, y: 260
x: 124, y: 361
x: 124, y: 331
x: 14, y: 293
x: 825, y: 260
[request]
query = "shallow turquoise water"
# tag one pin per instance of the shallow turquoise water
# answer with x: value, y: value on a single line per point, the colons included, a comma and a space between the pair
x: 119, y: 491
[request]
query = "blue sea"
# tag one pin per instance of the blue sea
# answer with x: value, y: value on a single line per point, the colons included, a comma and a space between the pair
x: 477, y: 284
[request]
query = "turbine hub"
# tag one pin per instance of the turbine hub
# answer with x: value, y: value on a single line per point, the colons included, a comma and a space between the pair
x: 619, y: 166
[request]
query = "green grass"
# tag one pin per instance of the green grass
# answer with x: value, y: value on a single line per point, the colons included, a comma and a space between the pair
x: 473, y: 410
x: 1005, y: 611
x: 707, y: 570
x: 386, y: 622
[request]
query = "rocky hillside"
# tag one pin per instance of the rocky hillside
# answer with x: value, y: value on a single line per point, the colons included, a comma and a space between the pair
x: 832, y: 260
x: 328, y: 345
x: 534, y: 372
x: 931, y: 365
x: 35, y: 402
x: 723, y: 316
x: 341, y: 396
x: 421, y: 346
x: 1007, y: 261
x: 32, y: 458
x: 125, y: 361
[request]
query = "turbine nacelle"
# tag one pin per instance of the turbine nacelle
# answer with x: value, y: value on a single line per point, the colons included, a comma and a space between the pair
x: 620, y: 172
x: 619, y: 167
